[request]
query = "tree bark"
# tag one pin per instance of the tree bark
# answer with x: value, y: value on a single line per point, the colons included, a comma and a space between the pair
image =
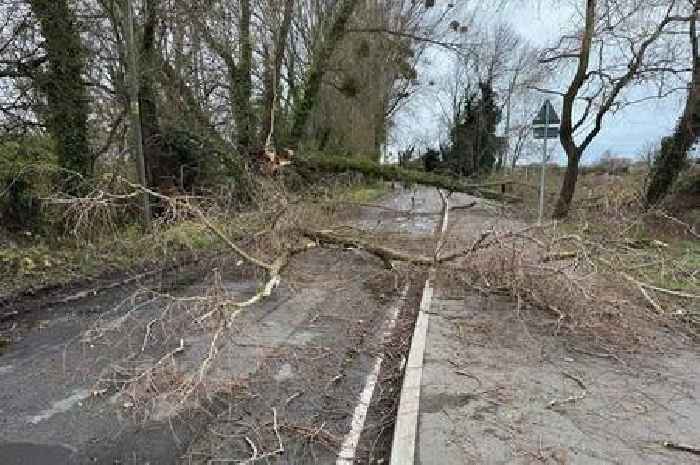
x: 317, y: 69
x: 132, y: 85
x: 566, y: 134
x: 242, y: 80
x: 63, y: 85
x: 674, y: 150
x: 273, y: 74
x: 568, y: 187
x: 159, y: 173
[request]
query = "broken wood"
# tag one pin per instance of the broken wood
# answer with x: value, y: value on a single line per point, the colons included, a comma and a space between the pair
x: 559, y: 256
x: 682, y: 447
x: 272, y: 282
x: 387, y: 255
x: 441, y: 231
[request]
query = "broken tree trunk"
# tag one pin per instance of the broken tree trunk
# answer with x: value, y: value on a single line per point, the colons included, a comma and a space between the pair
x: 395, y: 173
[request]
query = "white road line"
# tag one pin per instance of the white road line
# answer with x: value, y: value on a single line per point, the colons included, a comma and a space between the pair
x: 349, y: 447
x: 60, y: 406
x: 6, y: 369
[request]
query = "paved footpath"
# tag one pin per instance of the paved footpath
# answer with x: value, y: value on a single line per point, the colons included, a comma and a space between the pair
x: 499, y: 388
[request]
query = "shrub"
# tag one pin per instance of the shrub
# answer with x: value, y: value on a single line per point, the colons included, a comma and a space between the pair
x: 28, y: 169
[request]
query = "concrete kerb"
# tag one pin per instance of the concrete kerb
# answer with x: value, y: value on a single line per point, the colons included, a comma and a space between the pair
x: 403, y: 446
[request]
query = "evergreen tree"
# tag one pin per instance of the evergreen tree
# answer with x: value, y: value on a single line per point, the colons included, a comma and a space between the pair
x: 474, y: 143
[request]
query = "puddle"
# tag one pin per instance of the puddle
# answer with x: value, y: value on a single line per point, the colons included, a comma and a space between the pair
x: 26, y: 453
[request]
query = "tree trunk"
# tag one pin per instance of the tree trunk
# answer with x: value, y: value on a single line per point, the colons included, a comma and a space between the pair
x: 674, y: 150
x: 242, y: 82
x: 317, y: 70
x: 336, y: 164
x: 268, y: 97
x: 159, y: 174
x: 568, y: 187
x: 63, y: 85
x: 132, y: 86
x: 273, y: 72
x: 566, y: 134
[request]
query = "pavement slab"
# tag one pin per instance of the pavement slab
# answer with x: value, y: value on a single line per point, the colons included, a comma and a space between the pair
x: 497, y: 391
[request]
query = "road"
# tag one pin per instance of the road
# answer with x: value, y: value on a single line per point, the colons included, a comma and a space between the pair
x: 294, y: 372
x: 312, y: 374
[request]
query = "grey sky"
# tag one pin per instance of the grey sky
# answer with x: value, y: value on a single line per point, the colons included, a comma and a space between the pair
x: 625, y: 133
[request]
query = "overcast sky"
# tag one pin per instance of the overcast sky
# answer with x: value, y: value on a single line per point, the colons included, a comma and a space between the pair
x: 624, y: 134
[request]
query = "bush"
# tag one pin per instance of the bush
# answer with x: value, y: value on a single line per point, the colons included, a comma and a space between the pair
x: 688, y: 182
x: 28, y: 168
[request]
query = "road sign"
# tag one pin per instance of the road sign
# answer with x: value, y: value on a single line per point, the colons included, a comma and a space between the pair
x: 551, y: 132
x: 546, y: 116
x: 545, y: 126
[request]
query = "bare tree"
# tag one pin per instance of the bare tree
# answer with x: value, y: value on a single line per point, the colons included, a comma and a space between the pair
x: 273, y: 72
x: 616, y: 48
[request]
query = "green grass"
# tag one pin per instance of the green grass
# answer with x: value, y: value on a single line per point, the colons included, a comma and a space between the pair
x: 364, y: 193
x: 618, y: 236
x: 681, y: 270
x: 41, y: 262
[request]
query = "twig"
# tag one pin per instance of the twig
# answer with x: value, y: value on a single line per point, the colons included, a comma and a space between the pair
x: 644, y: 286
x: 575, y: 380
x: 292, y: 397
x: 255, y: 450
x: 256, y: 456
x: 558, y: 256
x: 481, y: 242
x: 661, y: 289
x: 273, y: 281
x: 148, y: 333
x: 463, y: 207
x: 568, y: 400
x: 443, y: 224
x: 682, y: 447
x: 174, y: 201
x: 689, y: 227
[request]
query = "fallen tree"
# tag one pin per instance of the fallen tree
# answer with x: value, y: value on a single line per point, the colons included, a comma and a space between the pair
x: 386, y: 254
x: 335, y: 164
x: 487, y: 239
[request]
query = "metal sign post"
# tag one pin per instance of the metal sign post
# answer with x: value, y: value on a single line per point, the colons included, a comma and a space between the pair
x: 544, y: 164
x: 546, y: 125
